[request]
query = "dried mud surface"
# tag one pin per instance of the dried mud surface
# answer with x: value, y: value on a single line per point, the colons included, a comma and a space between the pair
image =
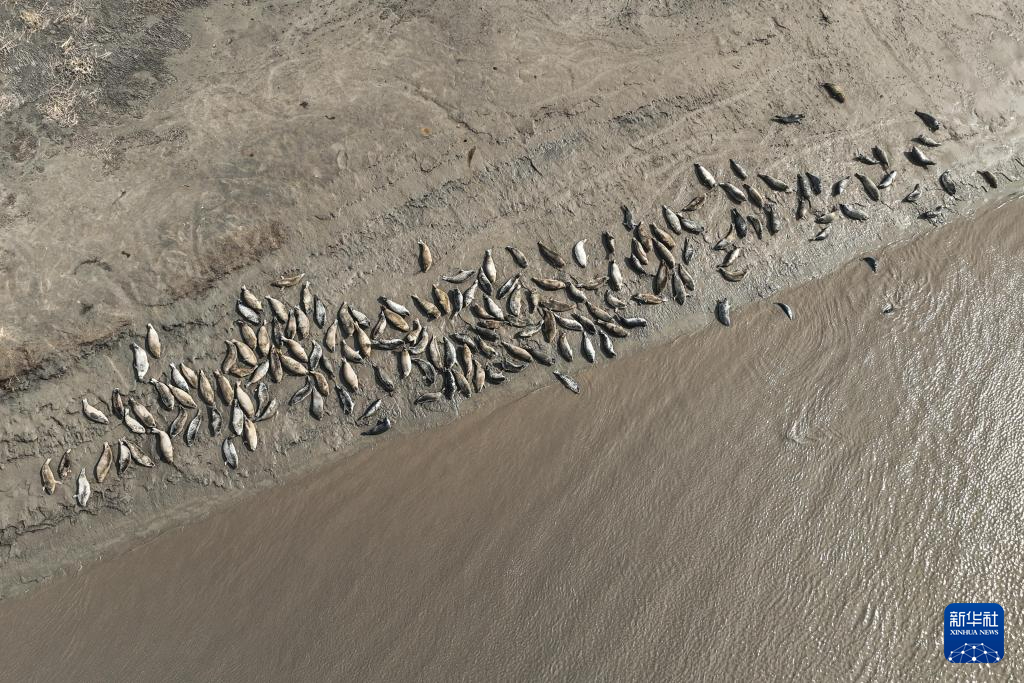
x: 184, y: 148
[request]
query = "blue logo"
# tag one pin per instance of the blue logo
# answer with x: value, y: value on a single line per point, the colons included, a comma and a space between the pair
x: 974, y: 633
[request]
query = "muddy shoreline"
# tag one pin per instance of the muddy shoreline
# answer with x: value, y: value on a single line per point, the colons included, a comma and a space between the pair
x: 203, y: 201
x: 171, y: 500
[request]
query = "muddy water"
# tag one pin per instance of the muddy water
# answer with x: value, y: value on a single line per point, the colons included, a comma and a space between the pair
x: 780, y: 499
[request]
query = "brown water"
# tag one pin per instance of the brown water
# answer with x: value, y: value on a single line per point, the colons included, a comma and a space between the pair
x: 776, y: 500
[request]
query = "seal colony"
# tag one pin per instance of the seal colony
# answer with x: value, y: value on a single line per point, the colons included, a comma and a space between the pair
x: 476, y: 327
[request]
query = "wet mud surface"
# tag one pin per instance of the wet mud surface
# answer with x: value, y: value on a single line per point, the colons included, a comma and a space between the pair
x: 247, y: 140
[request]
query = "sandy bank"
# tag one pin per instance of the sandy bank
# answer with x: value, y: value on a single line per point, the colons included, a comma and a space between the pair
x: 331, y: 139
